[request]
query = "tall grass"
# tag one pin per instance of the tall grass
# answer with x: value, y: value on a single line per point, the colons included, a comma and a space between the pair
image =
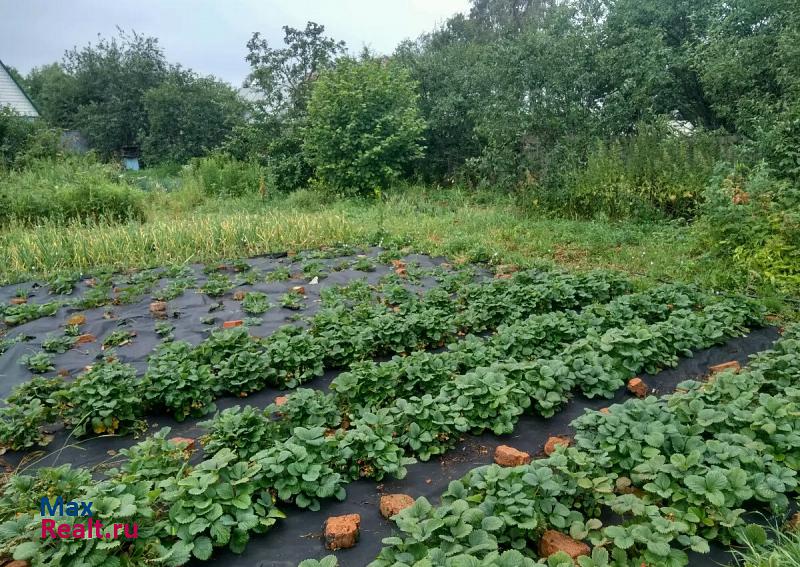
x: 454, y: 223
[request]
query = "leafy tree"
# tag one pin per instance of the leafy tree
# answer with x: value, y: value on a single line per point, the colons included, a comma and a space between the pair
x: 364, y: 126
x: 284, y: 76
x: 282, y: 79
x: 99, y: 89
x: 188, y: 116
x: 23, y: 140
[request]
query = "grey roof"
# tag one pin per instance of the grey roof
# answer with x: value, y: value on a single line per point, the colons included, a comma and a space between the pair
x: 12, y: 95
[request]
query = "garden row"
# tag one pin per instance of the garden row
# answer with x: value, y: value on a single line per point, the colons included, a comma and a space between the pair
x: 645, y: 482
x: 184, y: 379
x: 306, y: 451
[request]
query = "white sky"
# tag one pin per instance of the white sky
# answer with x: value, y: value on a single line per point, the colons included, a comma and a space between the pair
x: 209, y: 36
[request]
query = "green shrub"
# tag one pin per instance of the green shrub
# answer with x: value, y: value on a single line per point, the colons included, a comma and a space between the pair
x: 23, y: 140
x: 220, y: 175
x: 75, y: 189
x: 364, y: 126
x: 754, y: 220
x: 654, y: 173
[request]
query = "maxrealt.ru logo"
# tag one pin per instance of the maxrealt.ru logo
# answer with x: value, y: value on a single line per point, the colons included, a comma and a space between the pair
x: 92, y: 529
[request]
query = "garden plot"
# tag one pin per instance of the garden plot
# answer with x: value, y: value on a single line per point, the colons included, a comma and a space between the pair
x: 393, y: 360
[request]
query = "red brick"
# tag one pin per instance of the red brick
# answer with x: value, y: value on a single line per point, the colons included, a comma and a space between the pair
x: 18, y: 300
x: 298, y: 289
x: 77, y: 319
x: 341, y: 532
x: 187, y: 441
x: 158, y: 307
x: 605, y: 411
x: 506, y: 456
x: 280, y: 400
x: 552, y: 542
x: 85, y: 338
x: 637, y: 387
x: 553, y: 442
x: 232, y: 324
x: 392, y: 504
x: 732, y: 365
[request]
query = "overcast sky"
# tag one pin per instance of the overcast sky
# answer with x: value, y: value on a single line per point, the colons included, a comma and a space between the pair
x: 209, y: 36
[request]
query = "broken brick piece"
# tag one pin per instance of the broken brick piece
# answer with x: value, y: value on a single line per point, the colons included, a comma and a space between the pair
x: 637, y: 387
x: 85, y: 338
x: 605, y: 411
x: 232, y: 324
x: 341, y: 532
x: 18, y: 300
x: 238, y: 295
x: 552, y: 542
x: 553, y: 442
x: 280, y: 400
x: 392, y: 504
x: 298, y: 289
x: 77, y: 319
x: 188, y: 441
x: 732, y: 365
x: 16, y: 563
x: 158, y: 307
x: 506, y: 456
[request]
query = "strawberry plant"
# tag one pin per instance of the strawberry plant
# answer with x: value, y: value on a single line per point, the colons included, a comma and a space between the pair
x: 243, y: 430
x: 38, y: 363
x: 175, y: 381
x: 154, y: 459
x: 56, y: 344
x: 217, y: 285
x: 370, y: 450
x: 279, y: 274
x: 23, y: 492
x: 118, y: 338
x: 255, y: 303
x: 292, y: 300
x: 219, y: 504
x: 292, y: 357
x: 63, y: 284
x: 307, y: 408
x: 104, y: 400
x: 19, y: 314
x: 302, y: 468
x: 165, y: 331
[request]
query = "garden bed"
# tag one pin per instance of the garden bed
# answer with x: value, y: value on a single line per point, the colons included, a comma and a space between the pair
x: 416, y: 358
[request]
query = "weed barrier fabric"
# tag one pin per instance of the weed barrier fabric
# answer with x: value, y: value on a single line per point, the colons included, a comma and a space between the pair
x: 185, y: 313
x: 299, y: 536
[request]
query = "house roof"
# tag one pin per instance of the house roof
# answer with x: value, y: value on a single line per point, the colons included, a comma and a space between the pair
x: 14, y: 96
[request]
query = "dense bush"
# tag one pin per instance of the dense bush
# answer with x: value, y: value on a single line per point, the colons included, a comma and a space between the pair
x: 188, y: 116
x: 753, y: 219
x: 220, y: 175
x: 23, y: 140
x: 76, y: 189
x: 656, y: 172
x: 364, y: 126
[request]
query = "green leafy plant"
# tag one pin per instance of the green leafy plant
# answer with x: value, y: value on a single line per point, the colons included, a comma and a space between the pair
x: 219, y: 503
x: 104, y: 400
x: 243, y: 430
x: 177, y: 382
x: 255, y: 303
x: 217, y: 285
x: 38, y: 363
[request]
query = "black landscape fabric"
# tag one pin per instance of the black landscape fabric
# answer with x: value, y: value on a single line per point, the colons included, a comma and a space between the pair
x: 299, y: 536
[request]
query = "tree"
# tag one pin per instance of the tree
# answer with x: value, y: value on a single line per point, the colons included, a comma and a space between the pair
x: 188, y: 116
x: 364, y: 126
x: 23, y: 140
x: 284, y: 76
